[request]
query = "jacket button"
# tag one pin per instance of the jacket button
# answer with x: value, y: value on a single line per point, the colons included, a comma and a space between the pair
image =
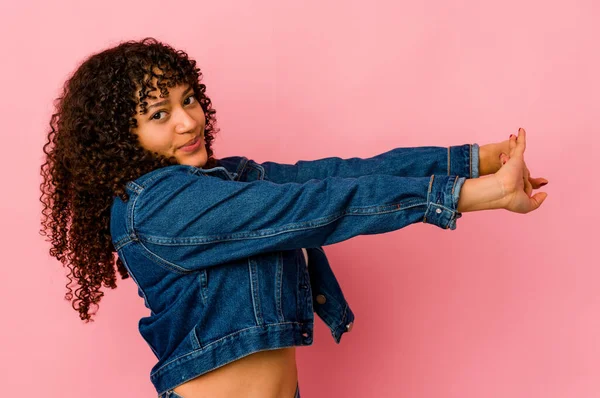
x: 307, y: 338
x: 349, y: 326
x: 438, y: 211
x: 321, y: 299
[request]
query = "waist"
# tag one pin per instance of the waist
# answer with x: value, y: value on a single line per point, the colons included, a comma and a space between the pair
x: 188, y: 363
x: 264, y: 374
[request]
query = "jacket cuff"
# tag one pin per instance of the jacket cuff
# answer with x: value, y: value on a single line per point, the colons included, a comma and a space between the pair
x: 442, y: 201
x: 345, y: 326
x: 474, y: 161
x: 463, y: 160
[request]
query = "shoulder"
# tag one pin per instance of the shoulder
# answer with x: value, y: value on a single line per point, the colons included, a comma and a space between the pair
x: 156, y: 176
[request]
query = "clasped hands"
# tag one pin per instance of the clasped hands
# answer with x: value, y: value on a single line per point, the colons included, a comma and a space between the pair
x: 506, y: 161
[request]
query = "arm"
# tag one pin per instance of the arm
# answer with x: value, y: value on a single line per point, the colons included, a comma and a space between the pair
x: 459, y: 160
x: 507, y: 188
x: 483, y: 193
x: 234, y: 219
x: 489, y: 157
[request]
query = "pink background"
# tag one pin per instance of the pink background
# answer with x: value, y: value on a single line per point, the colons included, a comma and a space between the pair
x: 507, y: 305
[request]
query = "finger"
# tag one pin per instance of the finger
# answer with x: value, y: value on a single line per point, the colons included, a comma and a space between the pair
x: 528, y: 186
x: 521, y: 142
x: 537, y: 200
x: 537, y: 183
x: 512, y: 145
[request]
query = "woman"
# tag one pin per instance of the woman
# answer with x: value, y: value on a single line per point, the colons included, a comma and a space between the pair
x: 227, y: 253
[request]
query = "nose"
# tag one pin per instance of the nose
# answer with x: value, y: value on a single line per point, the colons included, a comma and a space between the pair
x: 185, y: 122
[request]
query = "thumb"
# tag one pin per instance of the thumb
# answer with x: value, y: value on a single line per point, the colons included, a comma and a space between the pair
x: 537, y: 200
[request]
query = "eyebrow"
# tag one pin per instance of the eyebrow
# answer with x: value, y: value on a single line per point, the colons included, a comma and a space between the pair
x: 164, y: 102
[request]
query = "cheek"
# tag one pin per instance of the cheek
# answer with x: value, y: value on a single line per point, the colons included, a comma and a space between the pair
x: 156, y: 140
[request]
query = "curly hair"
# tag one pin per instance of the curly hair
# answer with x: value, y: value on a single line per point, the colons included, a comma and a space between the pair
x: 91, y: 153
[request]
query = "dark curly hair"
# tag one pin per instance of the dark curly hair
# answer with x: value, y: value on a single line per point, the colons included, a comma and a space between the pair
x: 91, y: 153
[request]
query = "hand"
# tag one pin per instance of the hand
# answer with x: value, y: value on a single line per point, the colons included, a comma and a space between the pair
x: 515, y: 179
x: 489, y: 157
x: 490, y: 161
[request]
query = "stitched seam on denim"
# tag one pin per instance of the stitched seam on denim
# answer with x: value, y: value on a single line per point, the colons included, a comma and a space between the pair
x: 452, y: 203
x: 195, y: 336
x: 205, y: 290
x: 130, y: 228
x: 428, y: 193
x: 202, y: 280
x: 121, y: 243
x: 241, y: 166
x: 454, y: 185
x: 229, y: 336
x: 279, y: 284
x: 159, y: 240
x: 255, y: 305
x: 215, y: 170
x: 300, y: 292
x: 343, y: 317
x: 259, y: 328
x: 169, y: 266
x: 135, y: 186
x: 470, y: 160
x: 261, y: 170
x: 168, y: 169
x: 437, y: 205
x: 164, y: 241
x: 448, y: 160
x: 165, y: 170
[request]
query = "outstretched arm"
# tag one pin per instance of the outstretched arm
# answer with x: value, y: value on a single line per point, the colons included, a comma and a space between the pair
x: 459, y: 160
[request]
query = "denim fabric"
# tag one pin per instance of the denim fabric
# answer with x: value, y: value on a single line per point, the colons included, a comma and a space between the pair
x: 173, y: 394
x: 217, y: 253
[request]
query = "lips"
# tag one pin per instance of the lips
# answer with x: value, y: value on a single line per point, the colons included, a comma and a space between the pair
x: 190, y: 142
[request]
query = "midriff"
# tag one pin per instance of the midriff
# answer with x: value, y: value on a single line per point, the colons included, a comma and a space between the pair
x: 264, y: 374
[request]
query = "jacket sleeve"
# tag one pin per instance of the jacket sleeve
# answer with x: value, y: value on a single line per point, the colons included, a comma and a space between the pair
x: 188, y: 218
x: 459, y: 160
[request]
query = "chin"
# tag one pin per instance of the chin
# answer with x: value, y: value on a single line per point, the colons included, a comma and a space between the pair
x: 198, y: 161
x: 192, y: 162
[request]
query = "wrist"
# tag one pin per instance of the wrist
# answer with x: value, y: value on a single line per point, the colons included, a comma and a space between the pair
x: 483, y: 193
x: 489, y: 159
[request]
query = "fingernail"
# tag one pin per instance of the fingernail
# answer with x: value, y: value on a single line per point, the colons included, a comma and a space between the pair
x: 543, y: 183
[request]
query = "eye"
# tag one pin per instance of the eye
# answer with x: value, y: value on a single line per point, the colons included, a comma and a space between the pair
x: 190, y: 97
x: 154, y: 117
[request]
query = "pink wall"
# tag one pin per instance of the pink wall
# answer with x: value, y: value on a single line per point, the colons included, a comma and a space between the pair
x: 512, y: 312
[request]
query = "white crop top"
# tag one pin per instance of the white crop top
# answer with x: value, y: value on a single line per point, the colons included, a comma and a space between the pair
x: 305, y: 255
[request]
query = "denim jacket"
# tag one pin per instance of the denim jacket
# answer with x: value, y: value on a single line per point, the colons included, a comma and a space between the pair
x: 217, y: 253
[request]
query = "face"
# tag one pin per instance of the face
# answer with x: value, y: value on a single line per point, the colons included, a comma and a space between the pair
x: 174, y: 126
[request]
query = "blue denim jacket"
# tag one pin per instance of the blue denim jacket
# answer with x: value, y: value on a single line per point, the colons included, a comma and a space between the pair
x: 217, y: 253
